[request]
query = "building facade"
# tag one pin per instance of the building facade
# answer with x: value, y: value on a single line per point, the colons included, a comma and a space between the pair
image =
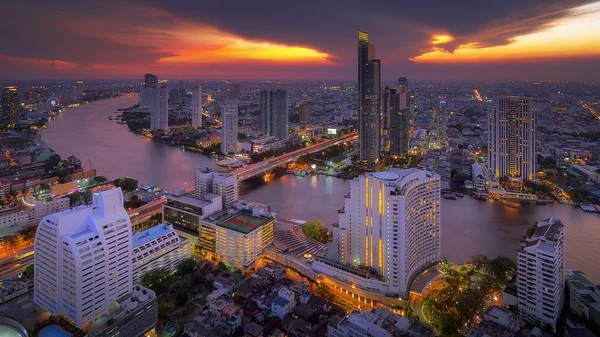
x: 150, y: 81
x: 541, y: 273
x: 274, y: 113
x: 368, y: 99
x: 396, y: 112
x: 584, y: 299
x: 391, y: 223
x: 10, y: 107
x: 226, y: 185
x: 304, y: 113
x: 511, y: 145
x: 197, y: 106
x: 158, y: 247
x: 83, y: 259
x: 229, y: 136
x: 159, y: 108
x: 242, y: 236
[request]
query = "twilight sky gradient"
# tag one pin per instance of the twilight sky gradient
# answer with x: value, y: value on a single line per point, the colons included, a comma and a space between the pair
x: 265, y: 39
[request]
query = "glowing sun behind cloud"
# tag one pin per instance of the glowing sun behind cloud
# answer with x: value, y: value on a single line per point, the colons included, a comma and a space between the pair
x: 576, y: 35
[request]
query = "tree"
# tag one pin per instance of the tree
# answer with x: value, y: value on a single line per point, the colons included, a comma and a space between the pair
x: 314, y: 229
x: 158, y: 280
x: 127, y: 184
x: 181, y: 297
x: 186, y: 267
x: 29, y: 272
x: 54, y: 160
x: 164, y: 309
x: 325, y: 292
x: 99, y: 180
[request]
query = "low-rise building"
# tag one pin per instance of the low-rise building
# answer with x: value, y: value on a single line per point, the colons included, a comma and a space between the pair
x: 23, y: 217
x: 185, y: 211
x: 158, y: 247
x: 267, y: 143
x: 478, y: 177
x: 497, y: 322
x: 377, y: 323
x: 584, y: 297
x: 284, y: 303
x: 132, y: 315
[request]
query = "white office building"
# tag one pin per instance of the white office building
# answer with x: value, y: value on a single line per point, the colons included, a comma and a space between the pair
x: 159, y: 108
x: 377, y: 323
x: 541, y: 273
x: 83, y: 259
x: 511, y: 145
x: 478, y: 177
x: 229, y: 136
x: 197, y: 107
x: 224, y: 184
x: 158, y: 247
x: 391, y: 223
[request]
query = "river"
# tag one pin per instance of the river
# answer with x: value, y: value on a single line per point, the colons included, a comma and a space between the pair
x: 469, y: 227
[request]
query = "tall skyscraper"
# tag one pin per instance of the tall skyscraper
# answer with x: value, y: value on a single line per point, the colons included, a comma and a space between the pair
x: 391, y: 223
x: 159, y: 108
x: 441, y: 120
x: 304, y: 112
x: 274, y: 113
x: 10, y: 107
x: 541, y: 273
x: 197, y: 107
x: 83, y: 259
x: 150, y: 81
x: 397, y: 110
x: 80, y: 90
x: 511, y: 146
x: 229, y: 136
x: 368, y: 99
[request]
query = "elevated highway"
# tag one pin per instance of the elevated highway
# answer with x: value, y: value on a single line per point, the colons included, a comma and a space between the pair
x: 271, y: 163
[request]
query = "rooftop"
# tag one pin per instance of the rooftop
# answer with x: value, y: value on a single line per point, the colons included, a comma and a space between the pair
x: 193, y: 200
x: 280, y: 301
x: 244, y: 222
x: 150, y: 234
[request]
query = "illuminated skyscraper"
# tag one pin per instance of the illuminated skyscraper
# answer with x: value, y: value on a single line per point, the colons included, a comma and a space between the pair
x: 197, y: 107
x: 368, y: 99
x: 304, y: 112
x: 229, y: 137
x: 511, y: 146
x: 274, y: 113
x: 10, y: 107
x: 391, y: 223
x: 441, y: 119
x: 159, y: 108
x: 150, y: 81
x: 80, y: 90
x: 397, y: 111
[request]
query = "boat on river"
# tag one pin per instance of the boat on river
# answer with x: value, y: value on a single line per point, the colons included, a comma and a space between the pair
x: 230, y: 163
x: 460, y: 195
x: 480, y: 197
x: 450, y: 196
x: 511, y: 203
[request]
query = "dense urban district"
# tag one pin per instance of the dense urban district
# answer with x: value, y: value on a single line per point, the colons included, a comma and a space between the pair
x: 82, y: 254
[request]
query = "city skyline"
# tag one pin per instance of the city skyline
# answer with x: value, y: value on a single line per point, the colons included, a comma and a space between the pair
x: 92, y: 41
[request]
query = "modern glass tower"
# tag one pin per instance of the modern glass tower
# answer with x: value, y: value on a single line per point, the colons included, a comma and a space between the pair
x: 397, y: 113
x: 10, y: 107
x: 274, y: 113
x: 368, y: 99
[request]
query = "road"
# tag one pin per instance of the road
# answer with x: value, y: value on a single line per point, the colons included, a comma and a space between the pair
x: 143, y: 213
x: 271, y: 163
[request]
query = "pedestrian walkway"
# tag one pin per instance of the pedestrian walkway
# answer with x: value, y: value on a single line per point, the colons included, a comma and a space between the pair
x: 297, y: 243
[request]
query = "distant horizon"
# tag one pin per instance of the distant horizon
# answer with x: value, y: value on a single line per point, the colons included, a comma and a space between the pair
x: 328, y: 81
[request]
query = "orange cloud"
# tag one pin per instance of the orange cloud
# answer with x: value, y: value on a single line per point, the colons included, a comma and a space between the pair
x: 574, y: 36
x: 50, y: 64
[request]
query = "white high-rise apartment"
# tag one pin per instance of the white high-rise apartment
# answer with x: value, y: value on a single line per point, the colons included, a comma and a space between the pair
x: 83, y: 259
x: 541, y: 273
x: 511, y: 146
x: 229, y: 136
x: 159, y: 108
x: 224, y: 184
x: 197, y: 107
x: 390, y: 222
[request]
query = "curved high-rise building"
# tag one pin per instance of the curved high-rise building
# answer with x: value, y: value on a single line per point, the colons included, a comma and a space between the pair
x: 391, y: 223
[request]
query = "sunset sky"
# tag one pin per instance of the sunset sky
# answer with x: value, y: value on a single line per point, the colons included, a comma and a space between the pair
x: 261, y: 39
